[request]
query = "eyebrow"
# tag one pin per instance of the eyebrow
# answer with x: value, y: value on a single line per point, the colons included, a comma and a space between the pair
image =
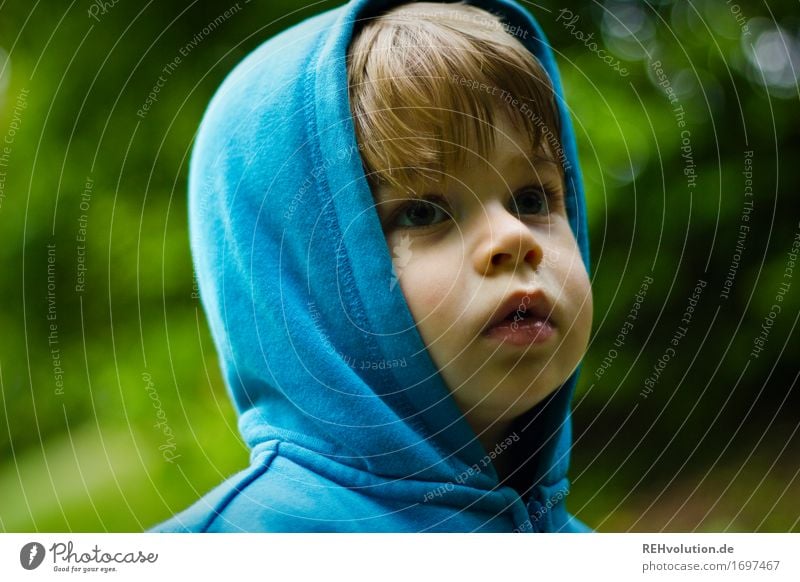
x: 536, y: 162
x: 386, y: 193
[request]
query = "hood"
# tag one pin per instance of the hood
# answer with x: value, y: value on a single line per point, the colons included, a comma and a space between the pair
x: 316, y: 347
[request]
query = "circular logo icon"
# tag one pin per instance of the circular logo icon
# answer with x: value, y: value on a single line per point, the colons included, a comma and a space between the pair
x: 31, y: 555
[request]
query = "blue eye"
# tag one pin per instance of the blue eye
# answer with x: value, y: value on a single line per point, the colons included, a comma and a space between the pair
x: 421, y: 213
x: 530, y: 200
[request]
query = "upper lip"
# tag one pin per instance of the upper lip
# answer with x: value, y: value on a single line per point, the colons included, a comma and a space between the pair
x: 526, y: 303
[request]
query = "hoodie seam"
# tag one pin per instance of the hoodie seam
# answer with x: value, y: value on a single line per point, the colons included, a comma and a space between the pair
x: 349, y: 18
x: 257, y: 471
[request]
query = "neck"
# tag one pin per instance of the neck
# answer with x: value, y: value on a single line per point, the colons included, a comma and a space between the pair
x: 489, y: 435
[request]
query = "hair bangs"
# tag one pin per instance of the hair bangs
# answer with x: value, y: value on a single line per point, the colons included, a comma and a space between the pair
x: 427, y: 82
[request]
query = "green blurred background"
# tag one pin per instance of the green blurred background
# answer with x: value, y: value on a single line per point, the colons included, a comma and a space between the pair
x: 102, y: 335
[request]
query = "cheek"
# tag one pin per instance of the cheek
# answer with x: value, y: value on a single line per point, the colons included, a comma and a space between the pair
x: 574, y: 282
x: 585, y: 301
x: 578, y: 283
x: 426, y: 289
x: 579, y: 290
x: 428, y: 281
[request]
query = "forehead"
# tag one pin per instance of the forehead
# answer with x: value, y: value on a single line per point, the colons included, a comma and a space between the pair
x: 512, y: 144
x: 509, y: 152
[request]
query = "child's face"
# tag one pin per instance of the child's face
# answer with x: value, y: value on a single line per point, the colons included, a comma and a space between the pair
x: 465, y: 257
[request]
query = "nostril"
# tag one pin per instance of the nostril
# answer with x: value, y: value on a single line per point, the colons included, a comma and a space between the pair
x: 499, y: 258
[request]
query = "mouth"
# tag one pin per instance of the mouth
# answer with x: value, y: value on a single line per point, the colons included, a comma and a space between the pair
x: 522, y: 319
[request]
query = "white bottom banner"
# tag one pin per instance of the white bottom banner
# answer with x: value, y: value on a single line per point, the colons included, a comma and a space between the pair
x: 400, y: 557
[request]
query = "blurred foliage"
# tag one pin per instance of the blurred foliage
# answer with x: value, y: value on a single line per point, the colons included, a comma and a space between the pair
x: 713, y: 447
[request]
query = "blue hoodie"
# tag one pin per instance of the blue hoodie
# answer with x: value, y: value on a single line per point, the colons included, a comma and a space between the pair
x: 350, y: 426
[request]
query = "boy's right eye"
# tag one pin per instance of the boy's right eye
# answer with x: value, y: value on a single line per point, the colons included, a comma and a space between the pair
x: 421, y: 213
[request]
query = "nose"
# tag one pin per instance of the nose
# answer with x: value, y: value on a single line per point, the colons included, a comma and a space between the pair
x: 507, y: 244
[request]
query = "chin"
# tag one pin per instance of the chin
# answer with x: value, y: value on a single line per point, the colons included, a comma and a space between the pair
x: 520, y: 398
x: 536, y: 394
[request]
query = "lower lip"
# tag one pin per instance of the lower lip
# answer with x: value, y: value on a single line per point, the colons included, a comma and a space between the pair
x: 522, y: 333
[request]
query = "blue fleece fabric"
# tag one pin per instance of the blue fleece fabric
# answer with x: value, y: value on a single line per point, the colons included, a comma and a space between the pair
x: 351, y: 427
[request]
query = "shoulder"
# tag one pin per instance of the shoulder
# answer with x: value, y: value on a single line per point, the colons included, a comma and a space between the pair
x: 200, y: 516
x: 275, y: 494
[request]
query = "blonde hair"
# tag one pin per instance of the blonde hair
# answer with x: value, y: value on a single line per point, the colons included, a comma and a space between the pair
x: 426, y: 82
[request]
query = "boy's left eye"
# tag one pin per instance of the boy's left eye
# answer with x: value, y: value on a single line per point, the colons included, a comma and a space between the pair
x: 530, y: 200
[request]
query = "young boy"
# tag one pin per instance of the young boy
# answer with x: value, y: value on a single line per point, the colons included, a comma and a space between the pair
x: 387, y: 221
